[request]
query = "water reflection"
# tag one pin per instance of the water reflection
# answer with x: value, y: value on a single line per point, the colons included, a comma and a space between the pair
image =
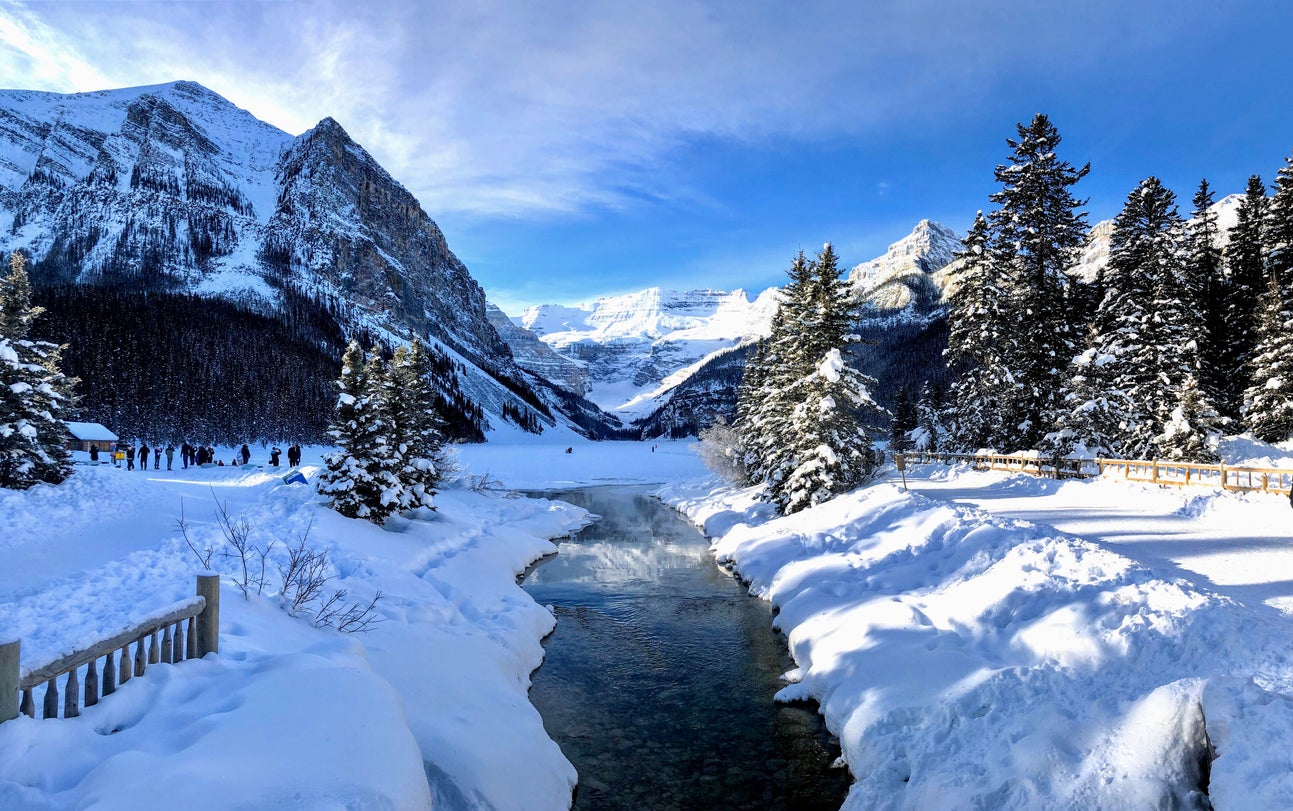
x: 658, y: 681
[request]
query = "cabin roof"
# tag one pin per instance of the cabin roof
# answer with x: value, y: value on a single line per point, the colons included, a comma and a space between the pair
x: 90, y: 432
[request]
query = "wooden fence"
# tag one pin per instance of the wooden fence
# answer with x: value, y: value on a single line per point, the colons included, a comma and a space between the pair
x: 1177, y: 474
x: 163, y: 638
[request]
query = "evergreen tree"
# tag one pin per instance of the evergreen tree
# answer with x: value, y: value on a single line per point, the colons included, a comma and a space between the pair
x: 1247, y: 275
x: 815, y: 422
x: 832, y: 449
x: 1268, y: 406
x: 978, y: 329
x: 417, y: 430
x: 931, y: 431
x: 1207, y: 291
x: 1190, y: 428
x: 905, y: 420
x: 1142, y: 355
x: 767, y: 412
x: 361, y: 479
x: 36, y: 394
x: 1037, y: 233
x: 1278, y: 233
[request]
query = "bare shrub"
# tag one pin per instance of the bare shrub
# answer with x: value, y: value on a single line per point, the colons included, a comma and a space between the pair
x: 485, y: 483
x: 182, y: 526
x: 251, y: 559
x: 303, y: 577
x: 722, y: 451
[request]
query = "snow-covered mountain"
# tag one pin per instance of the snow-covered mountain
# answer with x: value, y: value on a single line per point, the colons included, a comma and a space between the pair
x: 637, y: 348
x: 173, y: 188
x: 905, y: 275
x: 1096, y: 255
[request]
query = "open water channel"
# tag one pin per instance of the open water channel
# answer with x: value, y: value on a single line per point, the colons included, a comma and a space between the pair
x: 658, y: 680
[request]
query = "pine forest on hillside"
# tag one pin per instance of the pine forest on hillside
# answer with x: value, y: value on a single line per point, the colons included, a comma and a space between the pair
x: 172, y: 366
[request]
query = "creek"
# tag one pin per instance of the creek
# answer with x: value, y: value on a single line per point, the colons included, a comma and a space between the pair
x: 658, y: 680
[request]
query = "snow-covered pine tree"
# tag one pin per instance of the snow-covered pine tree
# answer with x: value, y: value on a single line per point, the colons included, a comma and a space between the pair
x: 832, y: 448
x: 1190, y: 427
x: 360, y: 479
x: 1248, y: 281
x: 1174, y: 332
x: 768, y: 408
x: 1037, y: 233
x: 1278, y: 234
x: 827, y: 449
x: 931, y: 408
x: 1142, y: 351
x: 37, y: 395
x: 905, y: 420
x: 417, y: 430
x: 1268, y: 402
x: 1207, y: 290
x: 977, y: 325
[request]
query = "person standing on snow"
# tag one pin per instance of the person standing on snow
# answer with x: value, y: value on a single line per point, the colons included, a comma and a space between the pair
x: 170, y: 454
x: 274, y: 453
x: 143, y: 455
x: 245, y: 453
x: 293, y: 455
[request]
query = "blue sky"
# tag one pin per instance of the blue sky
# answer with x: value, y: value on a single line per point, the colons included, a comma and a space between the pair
x: 576, y: 149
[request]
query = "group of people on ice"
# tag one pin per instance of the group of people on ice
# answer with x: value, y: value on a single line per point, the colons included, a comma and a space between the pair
x: 190, y: 455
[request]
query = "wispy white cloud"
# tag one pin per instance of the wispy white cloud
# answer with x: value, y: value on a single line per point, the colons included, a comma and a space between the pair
x: 510, y: 108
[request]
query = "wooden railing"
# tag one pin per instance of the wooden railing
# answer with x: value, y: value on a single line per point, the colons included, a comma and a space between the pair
x: 161, y: 638
x: 1177, y: 474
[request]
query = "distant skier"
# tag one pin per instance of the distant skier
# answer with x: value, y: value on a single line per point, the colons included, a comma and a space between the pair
x: 245, y: 453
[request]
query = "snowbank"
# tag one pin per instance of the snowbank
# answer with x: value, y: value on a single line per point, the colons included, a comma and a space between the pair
x: 427, y: 709
x: 967, y: 660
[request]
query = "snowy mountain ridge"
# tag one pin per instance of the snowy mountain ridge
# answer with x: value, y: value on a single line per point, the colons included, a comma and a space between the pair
x: 173, y: 188
x: 638, y: 347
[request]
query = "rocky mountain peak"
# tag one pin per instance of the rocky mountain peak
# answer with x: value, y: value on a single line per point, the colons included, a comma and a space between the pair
x: 172, y: 188
x: 902, y: 276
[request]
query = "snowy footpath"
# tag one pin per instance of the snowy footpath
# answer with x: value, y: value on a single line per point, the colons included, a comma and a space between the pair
x: 997, y: 641
x: 427, y: 709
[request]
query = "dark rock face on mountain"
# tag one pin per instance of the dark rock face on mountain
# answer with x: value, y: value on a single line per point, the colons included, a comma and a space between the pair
x: 171, y: 189
x: 534, y: 356
x: 343, y: 222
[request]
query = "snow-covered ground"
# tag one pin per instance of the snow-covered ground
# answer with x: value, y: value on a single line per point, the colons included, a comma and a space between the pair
x: 997, y: 641
x: 983, y: 640
x: 291, y: 716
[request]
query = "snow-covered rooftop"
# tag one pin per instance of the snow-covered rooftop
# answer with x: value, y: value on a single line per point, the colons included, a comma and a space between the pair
x: 90, y: 432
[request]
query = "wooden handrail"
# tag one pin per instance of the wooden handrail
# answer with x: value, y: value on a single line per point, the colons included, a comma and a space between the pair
x: 1154, y: 471
x: 202, y: 614
x: 188, y: 609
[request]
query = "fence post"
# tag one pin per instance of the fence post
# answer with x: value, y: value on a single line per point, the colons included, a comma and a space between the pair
x: 9, y: 680
x: 208, y: 621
